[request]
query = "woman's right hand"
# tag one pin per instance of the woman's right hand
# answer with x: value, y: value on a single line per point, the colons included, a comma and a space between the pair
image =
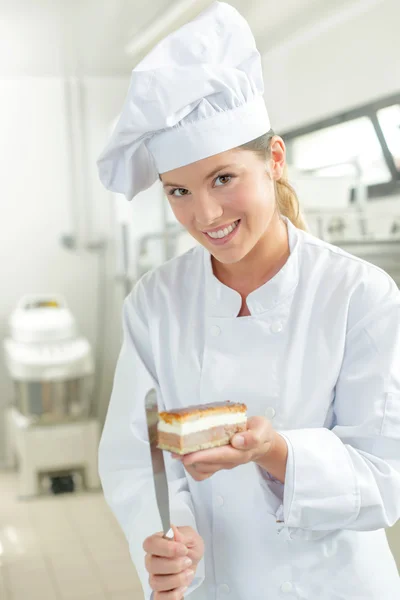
x: 172, y: 563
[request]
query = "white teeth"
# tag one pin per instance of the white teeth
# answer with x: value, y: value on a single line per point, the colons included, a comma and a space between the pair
x: 222, y: 232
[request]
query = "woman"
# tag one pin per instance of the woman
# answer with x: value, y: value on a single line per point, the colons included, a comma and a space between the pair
x: 259, y: 312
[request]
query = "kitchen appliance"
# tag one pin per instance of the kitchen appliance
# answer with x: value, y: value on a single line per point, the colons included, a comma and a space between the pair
x: 51, y: 433
x: 50, y: 365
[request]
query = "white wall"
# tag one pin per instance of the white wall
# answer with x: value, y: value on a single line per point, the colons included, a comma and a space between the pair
x: 36, y: 193
x: 336, y: 64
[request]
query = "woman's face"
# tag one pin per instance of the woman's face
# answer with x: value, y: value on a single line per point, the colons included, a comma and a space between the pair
x: 227, y: 201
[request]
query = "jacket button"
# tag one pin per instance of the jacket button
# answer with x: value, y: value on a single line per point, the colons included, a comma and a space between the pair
x: 286, y: 587
x: 219, y: 500
x: 270, y: 413
x: 276, y: 327
x: 224, y: 589
x: 215, y: 330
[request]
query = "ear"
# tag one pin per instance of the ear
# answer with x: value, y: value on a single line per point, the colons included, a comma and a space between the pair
x: 278, y: 157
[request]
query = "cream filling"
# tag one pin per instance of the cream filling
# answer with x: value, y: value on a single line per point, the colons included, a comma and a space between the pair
x: 202, y: 423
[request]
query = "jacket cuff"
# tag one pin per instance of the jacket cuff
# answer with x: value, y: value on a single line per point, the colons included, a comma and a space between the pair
x: 320, y: 490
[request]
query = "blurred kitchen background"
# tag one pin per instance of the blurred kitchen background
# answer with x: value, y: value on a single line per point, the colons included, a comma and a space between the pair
x: 70, y: 251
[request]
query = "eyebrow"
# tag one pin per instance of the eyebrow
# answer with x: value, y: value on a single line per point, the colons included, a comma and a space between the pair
x: 209, y: 176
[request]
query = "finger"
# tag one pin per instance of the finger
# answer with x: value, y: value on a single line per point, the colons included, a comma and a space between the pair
x: 206, y: 468
x: 197, y: 476
x: 166, y: 583
x: 192, y: 541
x: 171, y: 595
x: 156, y: 565
x: 259, y: 431
x: 160, y: 546
x: 247, y: 440
x: 223, y: 455
x: 183, y: 535
x: 178, y: 537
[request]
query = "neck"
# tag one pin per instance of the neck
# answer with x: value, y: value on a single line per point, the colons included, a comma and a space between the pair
x: 262, y: 263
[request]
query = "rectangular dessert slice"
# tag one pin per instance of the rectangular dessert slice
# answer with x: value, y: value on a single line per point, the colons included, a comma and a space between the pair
x: 186, y: 430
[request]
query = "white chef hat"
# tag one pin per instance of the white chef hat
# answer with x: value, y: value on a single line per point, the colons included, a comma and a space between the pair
x: 199, y: 92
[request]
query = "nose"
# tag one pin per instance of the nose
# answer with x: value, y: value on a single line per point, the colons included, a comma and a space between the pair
x: 207, y: 210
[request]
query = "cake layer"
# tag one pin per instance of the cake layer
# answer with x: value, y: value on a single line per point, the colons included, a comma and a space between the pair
x: 202, y: 422
x: 192, y: 413
x: 200, y: 440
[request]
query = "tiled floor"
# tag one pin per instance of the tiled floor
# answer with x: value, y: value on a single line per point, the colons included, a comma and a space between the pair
x: 69, y: 547
x: 66, y: 547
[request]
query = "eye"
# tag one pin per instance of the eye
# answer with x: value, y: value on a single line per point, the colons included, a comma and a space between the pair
x: 181, y: 192
x: 224, y: 179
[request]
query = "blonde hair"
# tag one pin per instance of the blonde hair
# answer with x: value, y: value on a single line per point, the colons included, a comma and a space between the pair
x: 286, y: 197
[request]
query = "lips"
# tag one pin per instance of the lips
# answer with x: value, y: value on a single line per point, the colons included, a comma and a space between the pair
x: 221, y: 232
x: 221, y: 236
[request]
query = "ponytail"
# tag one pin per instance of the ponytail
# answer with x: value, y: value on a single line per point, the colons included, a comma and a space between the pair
x: 286, y: 197
x: 288, y: 202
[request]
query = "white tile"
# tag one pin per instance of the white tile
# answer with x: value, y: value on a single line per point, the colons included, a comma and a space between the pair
x: 34, y: 584
x: 96, y: 596
x: 26, y: 564
x: 60, y: 545
x: 3, y: 589
x: 95, y: 531
x: 103, y: 548
x: 130, y: 595
x: 65, y: 560
x: 73, y: 589
x: 119, y: 576
x: 18, y: 542
x: 393, y: 535
x: 63, y: 548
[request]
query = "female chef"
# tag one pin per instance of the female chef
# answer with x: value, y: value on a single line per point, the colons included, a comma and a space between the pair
x: 259, y: 312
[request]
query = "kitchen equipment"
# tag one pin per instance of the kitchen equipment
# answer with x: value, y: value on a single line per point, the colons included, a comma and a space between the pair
x: 158, y: 464
x: 50, y: 365
x: 54, y: 458
x: 50, y: 432
x: 372, y: 234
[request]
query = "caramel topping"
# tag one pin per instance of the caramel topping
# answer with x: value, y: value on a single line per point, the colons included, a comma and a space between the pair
x: 190, y: 413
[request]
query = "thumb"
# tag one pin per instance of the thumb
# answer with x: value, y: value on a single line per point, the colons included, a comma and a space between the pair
x: 178, y: 536
x: 184, y: 535
x: 246, y: 440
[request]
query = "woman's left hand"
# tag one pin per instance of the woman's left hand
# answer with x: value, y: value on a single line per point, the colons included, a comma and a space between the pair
x: 247, y: 446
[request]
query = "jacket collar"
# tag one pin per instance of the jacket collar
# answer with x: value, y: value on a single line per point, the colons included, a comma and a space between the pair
x: 222, y: 301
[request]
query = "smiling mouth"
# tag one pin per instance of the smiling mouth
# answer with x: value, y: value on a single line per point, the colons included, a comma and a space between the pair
x: 219, y: 234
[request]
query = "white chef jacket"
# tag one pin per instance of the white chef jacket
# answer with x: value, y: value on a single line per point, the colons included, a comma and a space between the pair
x: 320, y: 357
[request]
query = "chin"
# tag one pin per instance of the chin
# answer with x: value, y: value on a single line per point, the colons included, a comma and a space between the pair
x: 228, y: 258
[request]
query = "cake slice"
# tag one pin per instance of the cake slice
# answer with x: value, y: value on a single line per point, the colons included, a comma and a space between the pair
x: 186, y: 430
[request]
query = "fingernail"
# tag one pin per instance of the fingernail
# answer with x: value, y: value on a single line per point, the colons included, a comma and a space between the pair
x: 187, y: 562
x: 189, y: 575
x: 239, y: 440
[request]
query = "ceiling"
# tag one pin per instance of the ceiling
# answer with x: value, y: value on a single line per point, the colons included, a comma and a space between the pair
x: 90, y: 37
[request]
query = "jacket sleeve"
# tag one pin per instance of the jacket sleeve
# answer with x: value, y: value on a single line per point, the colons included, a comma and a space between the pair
x: 349, y: 477
x: 124, y: 454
